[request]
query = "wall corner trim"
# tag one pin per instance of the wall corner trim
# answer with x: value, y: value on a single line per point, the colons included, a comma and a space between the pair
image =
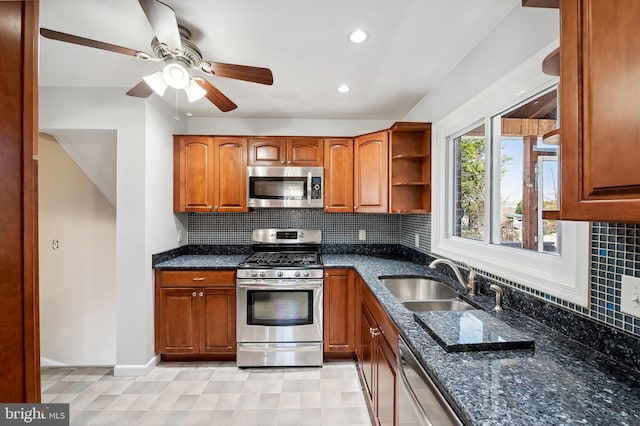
x: 136, y: 370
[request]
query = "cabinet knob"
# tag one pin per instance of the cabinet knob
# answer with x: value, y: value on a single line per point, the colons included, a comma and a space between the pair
x: 355, y: 207
x: 215, y: 208
x: 201, y: 294
x: 289, y: 162
x: 326, y: 274
x: 282, y: 162
x: 374, y: 331
x: 193, y: 294
x: 209, y: 207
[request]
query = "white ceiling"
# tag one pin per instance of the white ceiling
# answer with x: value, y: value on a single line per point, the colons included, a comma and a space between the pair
x: 413, y: 44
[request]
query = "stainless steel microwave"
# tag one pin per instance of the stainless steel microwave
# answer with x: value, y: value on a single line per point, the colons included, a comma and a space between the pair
x: 299, y: 187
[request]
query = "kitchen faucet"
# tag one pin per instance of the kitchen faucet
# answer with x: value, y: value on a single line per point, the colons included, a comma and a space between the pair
x: 470, y: 284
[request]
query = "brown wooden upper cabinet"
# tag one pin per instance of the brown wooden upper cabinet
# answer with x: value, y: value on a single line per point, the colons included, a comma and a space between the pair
x: 209, y: 174
x: 371, y: 172
x: 600, y: 100
x: 338, y: 175
x: 280, y: 151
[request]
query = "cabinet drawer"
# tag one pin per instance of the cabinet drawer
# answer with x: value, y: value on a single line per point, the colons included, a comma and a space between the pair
x: 191, y: 278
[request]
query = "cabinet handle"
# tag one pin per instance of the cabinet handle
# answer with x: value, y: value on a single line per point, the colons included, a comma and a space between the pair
x: 326, y: 275
x: 209, y: 207
x: 193, y: 294
x: 282, y: 162
x: 355, y: 207
x: 198, y: 278
x: 201, y: 294
x: 374, y: 332
x: 289, y: 162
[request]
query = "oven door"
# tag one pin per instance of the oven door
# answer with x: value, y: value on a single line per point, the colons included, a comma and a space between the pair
x: 278, y: 311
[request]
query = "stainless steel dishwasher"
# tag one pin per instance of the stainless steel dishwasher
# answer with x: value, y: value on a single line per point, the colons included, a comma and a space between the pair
x: 420, y: 402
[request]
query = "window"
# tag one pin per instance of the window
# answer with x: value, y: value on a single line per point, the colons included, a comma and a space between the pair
x: 495, y: 188
x: 521, y: 156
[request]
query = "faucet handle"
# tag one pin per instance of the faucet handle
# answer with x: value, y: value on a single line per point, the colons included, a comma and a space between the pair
x: 472, y: 282
x: 499, y: 293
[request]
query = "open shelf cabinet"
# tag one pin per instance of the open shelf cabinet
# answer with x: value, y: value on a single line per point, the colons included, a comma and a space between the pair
x: 410, y: 168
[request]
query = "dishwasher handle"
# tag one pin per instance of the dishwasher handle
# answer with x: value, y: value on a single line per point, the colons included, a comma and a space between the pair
x: 426, y: 400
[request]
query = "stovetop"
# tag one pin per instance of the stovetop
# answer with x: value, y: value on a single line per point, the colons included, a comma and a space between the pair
x: 281, y: 259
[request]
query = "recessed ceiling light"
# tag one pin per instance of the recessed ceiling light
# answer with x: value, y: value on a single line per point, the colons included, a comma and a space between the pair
x: 343, y: 88
x: 358, y: 36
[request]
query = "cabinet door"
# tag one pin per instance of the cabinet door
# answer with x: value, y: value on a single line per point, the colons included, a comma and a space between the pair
x: 178, y: 320
x: 231, y: 175
x: 193, y: 189
x: 599, y: 125
x: 366, y: 349
x: 338, y: 175
x: 339, y: 312
x: 371, y: 173
x: 217, y: 320
x: 385, y: 388
x: 306, y: 152
x: 267, y: 151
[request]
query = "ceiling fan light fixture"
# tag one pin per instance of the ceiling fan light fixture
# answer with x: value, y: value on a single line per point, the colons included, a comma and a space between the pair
x: 176, y: 75
x: 156, y: 82
x: 194, y: 91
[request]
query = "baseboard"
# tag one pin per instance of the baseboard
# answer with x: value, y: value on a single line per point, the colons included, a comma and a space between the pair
x: 48, y: 362
x: 136, y: 370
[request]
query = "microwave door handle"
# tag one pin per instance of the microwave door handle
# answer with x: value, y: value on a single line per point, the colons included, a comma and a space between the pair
x: 309, y: 188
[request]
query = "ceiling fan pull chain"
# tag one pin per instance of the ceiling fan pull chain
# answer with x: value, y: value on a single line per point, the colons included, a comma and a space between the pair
x: 176, y: 117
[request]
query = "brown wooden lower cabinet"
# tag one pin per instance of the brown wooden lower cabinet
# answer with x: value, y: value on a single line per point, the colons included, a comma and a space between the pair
x: 195, y: 313
x: 339, y: 313
x: 377, y: 351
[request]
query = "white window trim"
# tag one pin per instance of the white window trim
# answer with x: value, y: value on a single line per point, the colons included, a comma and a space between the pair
x: 565, y: 276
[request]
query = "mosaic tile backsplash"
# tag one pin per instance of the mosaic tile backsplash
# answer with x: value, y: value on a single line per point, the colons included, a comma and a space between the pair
x: 337, y: 228
x: 615, y: 249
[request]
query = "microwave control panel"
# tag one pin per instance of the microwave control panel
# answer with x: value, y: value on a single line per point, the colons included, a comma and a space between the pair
x: 316, y: 188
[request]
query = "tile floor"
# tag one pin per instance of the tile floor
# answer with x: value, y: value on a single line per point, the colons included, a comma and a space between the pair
x: 210, y: 394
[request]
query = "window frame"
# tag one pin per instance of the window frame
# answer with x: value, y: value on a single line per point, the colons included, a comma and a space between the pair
x: 565, y: 275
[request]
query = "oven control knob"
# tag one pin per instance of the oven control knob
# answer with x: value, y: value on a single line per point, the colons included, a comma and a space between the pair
x: 254, y: 274
x: 263, y: 274
x: 306, y: 273
x: 280, y: 273
x: 297, y: 274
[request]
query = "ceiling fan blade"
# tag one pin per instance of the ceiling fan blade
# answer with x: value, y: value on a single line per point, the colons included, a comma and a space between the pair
x: 70, y: 38
x: 242, y: 72
x: 163, y: 21
x: 140, y: 90
x: 216, y: 97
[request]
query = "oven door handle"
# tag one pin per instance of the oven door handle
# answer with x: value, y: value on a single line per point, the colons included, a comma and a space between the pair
x: 250, y: 286
x: 309, y: 188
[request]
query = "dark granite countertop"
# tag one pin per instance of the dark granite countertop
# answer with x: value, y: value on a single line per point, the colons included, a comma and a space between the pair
x: 202, y: 261
x: 561, y: 382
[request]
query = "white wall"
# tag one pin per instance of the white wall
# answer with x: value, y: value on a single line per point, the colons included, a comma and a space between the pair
x: 162, y: 226
x: 70, y: 108
x: 284, y: 127
x: 522, y: 34
x: 78, y: 279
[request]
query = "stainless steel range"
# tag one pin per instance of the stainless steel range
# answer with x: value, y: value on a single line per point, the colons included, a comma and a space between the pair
x: 279, y: 302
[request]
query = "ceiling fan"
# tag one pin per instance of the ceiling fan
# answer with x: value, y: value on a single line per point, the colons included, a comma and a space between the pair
x: 173, y: 46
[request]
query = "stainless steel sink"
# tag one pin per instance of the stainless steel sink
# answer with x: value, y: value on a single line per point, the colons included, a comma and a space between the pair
x: 438, y: 305
x: 416, y: 288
